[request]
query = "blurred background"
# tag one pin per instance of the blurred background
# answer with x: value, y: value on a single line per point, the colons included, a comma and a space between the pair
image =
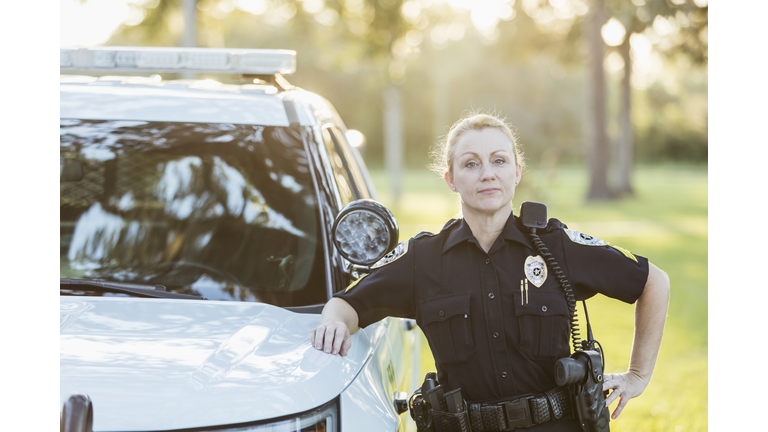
x: 608, y: 98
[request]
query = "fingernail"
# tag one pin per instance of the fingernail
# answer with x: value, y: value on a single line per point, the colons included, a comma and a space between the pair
x: 327, y: 350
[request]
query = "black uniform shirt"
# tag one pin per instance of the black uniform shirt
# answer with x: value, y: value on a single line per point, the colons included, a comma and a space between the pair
x: 489, y: 334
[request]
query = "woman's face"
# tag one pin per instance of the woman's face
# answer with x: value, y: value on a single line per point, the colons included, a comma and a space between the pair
x: 485, y: 171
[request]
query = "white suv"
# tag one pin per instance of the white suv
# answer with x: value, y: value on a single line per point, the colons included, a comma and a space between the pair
x: 197, y: 252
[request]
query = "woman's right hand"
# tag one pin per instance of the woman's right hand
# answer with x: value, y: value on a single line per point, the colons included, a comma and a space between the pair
x: 332, y: 337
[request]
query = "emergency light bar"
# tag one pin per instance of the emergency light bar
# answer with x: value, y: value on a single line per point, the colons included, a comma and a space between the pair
x: 209, y: 60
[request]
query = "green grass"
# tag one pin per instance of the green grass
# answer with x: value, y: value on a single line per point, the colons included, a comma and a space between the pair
x: 666, y: 221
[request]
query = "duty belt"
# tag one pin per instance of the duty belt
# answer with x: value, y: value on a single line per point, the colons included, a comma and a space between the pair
x: 522, y: 412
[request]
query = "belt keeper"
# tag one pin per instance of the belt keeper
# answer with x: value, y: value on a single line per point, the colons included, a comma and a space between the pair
x: 518, y: 413
x: 556, y: 408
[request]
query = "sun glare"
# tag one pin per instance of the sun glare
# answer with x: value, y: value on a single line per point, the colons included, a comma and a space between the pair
x: 91, y: 23
x: 613, y: 32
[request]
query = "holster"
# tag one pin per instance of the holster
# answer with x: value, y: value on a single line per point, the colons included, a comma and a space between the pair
x: 451, y: 422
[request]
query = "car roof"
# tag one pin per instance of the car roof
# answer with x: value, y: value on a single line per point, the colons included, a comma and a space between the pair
x: 198, y: 101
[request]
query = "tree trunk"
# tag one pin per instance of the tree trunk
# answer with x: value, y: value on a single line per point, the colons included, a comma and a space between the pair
x: 441, y: 117
x: 393, y: 139
x: 597, y: 139
x: 626, y: 140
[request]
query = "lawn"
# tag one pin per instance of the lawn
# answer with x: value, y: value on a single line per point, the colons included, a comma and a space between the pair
x: 666, y: 221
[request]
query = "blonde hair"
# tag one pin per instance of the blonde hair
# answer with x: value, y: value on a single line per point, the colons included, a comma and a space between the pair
x: 442, y: 154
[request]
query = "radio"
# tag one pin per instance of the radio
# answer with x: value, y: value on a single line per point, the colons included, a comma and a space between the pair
x: 582, y: 372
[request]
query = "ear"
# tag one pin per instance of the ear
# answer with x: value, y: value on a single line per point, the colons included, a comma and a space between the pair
x: 518, y: 174
x: 449, y: 181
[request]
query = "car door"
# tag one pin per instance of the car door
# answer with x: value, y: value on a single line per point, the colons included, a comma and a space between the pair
x: 403, y: 362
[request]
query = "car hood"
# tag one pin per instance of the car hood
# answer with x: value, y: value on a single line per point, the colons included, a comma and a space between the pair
x: 154, y: 364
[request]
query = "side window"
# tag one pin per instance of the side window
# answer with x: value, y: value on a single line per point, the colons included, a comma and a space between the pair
x: 347, y: 174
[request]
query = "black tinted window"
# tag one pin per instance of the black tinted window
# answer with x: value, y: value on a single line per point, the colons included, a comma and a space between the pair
x: 220, y: 210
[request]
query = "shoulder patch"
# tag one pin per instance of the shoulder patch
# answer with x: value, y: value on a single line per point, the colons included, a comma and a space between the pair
x: 584, y: 239
x: 399, y: 250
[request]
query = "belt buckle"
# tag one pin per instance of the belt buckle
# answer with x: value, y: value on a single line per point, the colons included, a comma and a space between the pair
x: 518, y: 414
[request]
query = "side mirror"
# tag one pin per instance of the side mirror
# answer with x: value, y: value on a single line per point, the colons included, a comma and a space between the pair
x: 364, y: 231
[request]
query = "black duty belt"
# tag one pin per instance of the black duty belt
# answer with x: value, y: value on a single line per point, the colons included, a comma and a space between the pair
x: 521, y: 412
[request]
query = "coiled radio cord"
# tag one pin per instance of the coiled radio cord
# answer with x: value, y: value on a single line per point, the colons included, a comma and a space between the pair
x: 565, y: 284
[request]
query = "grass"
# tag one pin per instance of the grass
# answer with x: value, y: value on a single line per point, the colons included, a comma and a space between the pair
x: 666, y: 221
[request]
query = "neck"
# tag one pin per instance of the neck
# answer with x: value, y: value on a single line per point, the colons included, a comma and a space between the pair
x: 486, y: 227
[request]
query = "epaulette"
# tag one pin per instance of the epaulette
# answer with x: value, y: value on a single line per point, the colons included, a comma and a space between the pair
x: 554, y: 224
x: 447, y: 225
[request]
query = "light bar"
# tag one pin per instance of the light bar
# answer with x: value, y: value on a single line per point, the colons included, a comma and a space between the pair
x: 209, y: 60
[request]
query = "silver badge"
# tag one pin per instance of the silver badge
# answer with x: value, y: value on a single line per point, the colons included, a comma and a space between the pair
x: 536, y: 270
x: 584, y: 239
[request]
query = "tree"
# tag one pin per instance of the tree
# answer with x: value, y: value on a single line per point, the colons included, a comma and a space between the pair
x: 636, y: 18
x: 685, y: 21
x: 597, y: 139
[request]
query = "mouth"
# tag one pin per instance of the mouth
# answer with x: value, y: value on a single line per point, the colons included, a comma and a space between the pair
x: 489, y: 191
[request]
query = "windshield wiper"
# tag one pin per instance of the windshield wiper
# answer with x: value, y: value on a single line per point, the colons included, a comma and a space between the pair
x: 139, y: 290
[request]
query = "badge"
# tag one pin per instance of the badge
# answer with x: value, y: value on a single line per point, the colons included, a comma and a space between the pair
x: 584, y: 239
x: 536, y: 270
x: 392, y: 256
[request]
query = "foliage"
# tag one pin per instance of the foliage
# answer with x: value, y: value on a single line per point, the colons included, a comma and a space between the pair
x: 529, y: 68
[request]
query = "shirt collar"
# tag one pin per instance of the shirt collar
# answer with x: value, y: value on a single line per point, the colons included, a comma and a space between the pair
x: 512, y: 231
x: 459, y: 234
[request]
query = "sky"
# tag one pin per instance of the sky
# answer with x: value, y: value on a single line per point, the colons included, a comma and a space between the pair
x: 91, y: 23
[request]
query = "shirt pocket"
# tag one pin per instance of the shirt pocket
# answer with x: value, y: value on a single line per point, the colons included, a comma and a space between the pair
x: 543, y: 322
x: 447, y: 325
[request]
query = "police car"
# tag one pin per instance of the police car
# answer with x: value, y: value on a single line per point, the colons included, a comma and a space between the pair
x: 203, y: 227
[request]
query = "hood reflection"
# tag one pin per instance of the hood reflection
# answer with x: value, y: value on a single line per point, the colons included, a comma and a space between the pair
x: 216, y: 361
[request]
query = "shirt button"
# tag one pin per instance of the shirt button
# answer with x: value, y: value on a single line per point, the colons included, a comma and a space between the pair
x: 487, y: 261
x: 543, y: 308
x: 441, y: 313
x: 495, y: 335
x: 503, y: 374
x: 490, y: 295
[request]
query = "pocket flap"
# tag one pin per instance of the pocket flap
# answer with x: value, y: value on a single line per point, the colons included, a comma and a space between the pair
x: 541, y: 303
x: 443, y: 308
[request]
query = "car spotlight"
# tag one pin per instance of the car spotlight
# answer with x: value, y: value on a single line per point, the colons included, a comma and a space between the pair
x: 364, y: 231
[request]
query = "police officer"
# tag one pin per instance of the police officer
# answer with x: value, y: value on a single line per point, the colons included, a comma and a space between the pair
x: 493, y: 313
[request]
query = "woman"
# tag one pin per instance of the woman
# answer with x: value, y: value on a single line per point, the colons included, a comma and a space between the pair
x: 493, y: 313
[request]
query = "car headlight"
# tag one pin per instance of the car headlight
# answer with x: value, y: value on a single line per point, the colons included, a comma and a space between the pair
x: 364, y: 231
x: 322, y: 419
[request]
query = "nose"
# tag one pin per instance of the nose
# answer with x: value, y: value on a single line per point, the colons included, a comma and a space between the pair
x: 487, y: 173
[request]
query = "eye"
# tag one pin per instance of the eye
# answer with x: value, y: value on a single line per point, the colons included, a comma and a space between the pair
x: 471, y: 164
x: 499, y: 161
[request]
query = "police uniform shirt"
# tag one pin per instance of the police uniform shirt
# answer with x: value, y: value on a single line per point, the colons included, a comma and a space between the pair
x: 492, y: 331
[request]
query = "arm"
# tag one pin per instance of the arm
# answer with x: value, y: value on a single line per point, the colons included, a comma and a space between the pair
x: 338, y: 321
x: 650, y: 314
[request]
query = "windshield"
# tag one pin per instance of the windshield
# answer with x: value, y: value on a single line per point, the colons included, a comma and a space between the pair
x: 224, y: 211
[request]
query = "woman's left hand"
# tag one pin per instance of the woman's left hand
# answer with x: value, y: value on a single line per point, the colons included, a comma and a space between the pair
x: 624, y: 386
